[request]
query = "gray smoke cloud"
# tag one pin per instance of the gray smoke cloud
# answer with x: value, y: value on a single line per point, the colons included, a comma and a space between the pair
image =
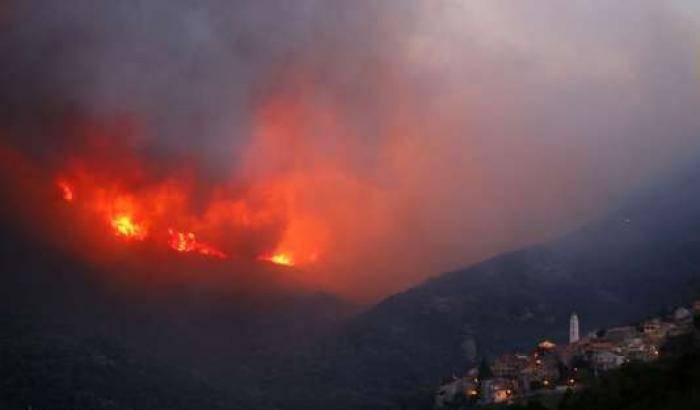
x: 478, y: 125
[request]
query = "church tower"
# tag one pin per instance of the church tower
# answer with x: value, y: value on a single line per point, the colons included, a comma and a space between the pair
x: 573, y: 328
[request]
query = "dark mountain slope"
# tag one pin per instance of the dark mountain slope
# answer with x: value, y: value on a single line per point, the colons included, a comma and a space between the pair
x: 72, y: 338
x: 640, y: 259
x: 51, y: 370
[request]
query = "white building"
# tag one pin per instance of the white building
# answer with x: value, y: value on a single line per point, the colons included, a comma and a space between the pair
x: 573, y: 329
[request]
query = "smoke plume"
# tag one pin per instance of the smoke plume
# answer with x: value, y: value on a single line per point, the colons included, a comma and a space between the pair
x: 384, y: 141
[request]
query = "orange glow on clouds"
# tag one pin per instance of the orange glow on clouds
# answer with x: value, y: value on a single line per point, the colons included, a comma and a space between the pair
x: 291, y: 201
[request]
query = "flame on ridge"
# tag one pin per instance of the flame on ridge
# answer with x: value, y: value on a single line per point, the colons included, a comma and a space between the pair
x: 187, y: 242
x: 126, y: 228
x: 66, y: 191
x: 147, y: 214
x: 280, y: 258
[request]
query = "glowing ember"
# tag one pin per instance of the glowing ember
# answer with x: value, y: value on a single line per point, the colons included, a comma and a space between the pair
x: 66, y: 191
x: 181, y: 242
x: 281, y: 259
x: 126, y: 228
x: 187, y: 242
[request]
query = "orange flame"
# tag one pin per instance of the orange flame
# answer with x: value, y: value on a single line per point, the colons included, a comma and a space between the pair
x: 66, y: 191
x: 148, y: 211
x: 280, y: 258
x: 261, y: 217
x: 187, y: 242
x: 126, y: 228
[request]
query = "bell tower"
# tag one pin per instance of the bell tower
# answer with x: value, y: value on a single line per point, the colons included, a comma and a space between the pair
x: 573, y: 328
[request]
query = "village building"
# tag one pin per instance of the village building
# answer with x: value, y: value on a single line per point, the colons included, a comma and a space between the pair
x: 573, y: 328
x: 546, y: 345
x: 636, y: 349
x: 448, y: 392
x: 541, y: 370
x: 696, y: 308
x: 657, y: 330
x: 607, y: 360
x: 683, y: 321
x: 569, y: 353
x: 682, y: 315
x: 497, y: 390
x: 621, y: 333
x: 509, y: 365
x: 652, y: 327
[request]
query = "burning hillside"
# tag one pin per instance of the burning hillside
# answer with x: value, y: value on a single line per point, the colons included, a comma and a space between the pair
x: 135, y: 207
x: 131, y: 217
x: 106, y: 193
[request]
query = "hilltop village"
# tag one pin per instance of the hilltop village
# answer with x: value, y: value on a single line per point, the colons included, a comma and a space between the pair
x: 551, y: 369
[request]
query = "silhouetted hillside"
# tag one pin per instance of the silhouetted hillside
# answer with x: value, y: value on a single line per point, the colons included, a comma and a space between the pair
x: 637, y: 261
x: 72, y: 338
x: 51, y: 370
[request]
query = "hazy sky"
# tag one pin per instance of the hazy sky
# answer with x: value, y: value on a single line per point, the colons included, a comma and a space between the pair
x: 419, y: 136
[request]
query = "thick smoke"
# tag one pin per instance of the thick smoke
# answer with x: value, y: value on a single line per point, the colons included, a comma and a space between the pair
x: 419, y: 135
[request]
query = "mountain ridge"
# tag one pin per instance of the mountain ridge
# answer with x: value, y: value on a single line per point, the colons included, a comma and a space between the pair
x: 632, y: 262
x: 638, y: 259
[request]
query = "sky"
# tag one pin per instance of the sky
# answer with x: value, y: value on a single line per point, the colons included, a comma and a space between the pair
x: 408, y: 137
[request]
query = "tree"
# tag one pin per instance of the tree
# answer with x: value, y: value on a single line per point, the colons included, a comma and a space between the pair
x: 566, y: 400
x: 484, y: 370
x: 535, y: 405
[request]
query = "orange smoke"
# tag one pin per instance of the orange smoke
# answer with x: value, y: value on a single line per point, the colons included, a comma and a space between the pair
x: 296, y: 200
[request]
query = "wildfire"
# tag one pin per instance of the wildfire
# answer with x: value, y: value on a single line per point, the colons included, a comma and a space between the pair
x: 125, y: 227
x: 119, y: 209
x: 187, y: 242
x: 156, y: 207
x: 66, y: 191
x: 280, y: 258
x: 124, y: 198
